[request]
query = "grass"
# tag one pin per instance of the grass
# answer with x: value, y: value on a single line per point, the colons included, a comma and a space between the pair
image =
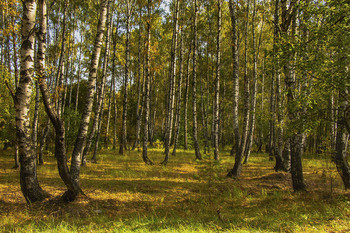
x: 124, y: 195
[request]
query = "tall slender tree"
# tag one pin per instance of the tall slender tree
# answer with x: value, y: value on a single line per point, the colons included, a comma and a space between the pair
x: 217, y: 85
x: 253, y: 89
x: 187, y: 87
x: 179, y: 92
x: 237, y: 168
x: 172, y: 77
x: 194, y: 80
x: 123, y: 141
x: 140, y: 86
x: 235, y: 74
x: 147, y: 85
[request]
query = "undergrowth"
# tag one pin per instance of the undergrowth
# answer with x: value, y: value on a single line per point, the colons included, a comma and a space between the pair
x: 124, y: 195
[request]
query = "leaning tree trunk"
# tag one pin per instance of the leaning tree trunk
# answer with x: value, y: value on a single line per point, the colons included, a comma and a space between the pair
x: 103, y: 85
x: 217, y: 86
x: 28, y: 177
x: 99, y: 98
x: 237, y: 168
x: 194, y: 82
x: 57, y: 121
x: 84, y: 124
x: 172, y: 76
x: 147, y: 87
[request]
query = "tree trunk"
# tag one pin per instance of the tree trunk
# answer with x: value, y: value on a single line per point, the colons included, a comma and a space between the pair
x: 14, y: 38
x: 98, y: 134
x: 204, y: 104
x: 237, y: 168
x: 84, y: 124
x: 147, y: 87
x: 235, y: 56
x: 194, y: 83
x: 186, y: 99
x: 103, y: 84
x: 254, y: 90
x: 153, y: 111
x: 339, y: 158
x: 140, y: 87
x: 36, y: 119
x: 108, y: 115
x: 28, y: 177
x: 78, y: 76
x: 126, y: 79
x: 61, y: 64
x: 114, y: 89
x: 99, y: 98
x: 172, y: 77
x: 44, y: 134
x: 60, y: 146
x: 217, y: 86
x: 278, y: 145
x: 179, y: 94
x: 297, y: 138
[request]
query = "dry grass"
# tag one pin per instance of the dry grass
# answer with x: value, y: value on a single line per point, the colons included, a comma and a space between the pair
x: 124, y: 195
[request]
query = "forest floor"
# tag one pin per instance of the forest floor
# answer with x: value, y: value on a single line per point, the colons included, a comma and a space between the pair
x: 125, y: 195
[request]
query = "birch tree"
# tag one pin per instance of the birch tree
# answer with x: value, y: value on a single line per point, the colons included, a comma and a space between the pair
x: 217, y: 85
x: 147, y: 85
x: 194, y: 81
x: 84, y: 124
x: 28, y: 174
x: 172, y: 77
x: 237, y: 168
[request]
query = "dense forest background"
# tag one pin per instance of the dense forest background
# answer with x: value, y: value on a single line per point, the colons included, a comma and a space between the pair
x: 216, y: 78
x: 232, y: 114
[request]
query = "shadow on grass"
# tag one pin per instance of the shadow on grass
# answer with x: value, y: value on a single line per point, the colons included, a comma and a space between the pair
x: 184, y: 196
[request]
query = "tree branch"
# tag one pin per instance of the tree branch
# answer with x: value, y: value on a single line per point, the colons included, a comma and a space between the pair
x: 10, y: 90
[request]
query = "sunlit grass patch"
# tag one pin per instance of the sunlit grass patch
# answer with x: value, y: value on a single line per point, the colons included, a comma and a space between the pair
x: 125, y: 195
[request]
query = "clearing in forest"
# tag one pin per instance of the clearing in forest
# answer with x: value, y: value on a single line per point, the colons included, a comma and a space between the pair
x: 125, y: 195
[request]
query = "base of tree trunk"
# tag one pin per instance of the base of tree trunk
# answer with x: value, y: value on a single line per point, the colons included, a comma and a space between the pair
x: 69, y: 196
x: 147, y: 160
x: 235, y: 172
x: 299, y: 187
x: 280, y: 166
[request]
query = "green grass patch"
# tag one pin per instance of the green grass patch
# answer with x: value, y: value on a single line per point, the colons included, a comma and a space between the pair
x: 125, y: 195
